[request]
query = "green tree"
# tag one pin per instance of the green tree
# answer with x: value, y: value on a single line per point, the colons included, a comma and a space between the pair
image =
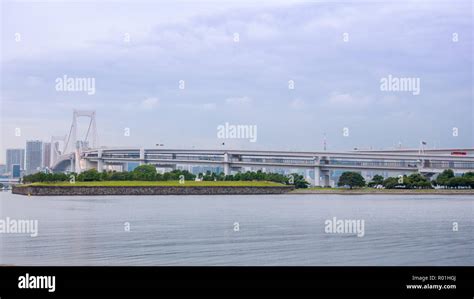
x: 460, y: 181
x: 298, y: 181
x: 444, y: 177
x: 145, y: 172
x: 351, y: 179
x: 376, y: 180
x: 89, y: 175
x: 397, y: 182
x: 469, y: 176
x: 418, y: 181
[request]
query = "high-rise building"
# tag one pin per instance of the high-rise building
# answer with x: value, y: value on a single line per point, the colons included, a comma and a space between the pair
x: 34, y: 156
x: 15, y: 156
x: 3, y: 168
x: 46, y: 155
x: 16, y: 172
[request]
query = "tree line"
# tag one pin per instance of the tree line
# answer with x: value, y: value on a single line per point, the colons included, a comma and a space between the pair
x: 446, y: 179
x: 149, y: 173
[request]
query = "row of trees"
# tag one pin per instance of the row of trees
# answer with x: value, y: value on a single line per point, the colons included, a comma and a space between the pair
x: 149, y: 173
x: 350, y: 179
x: 414, y: 181
x: 447, y: 179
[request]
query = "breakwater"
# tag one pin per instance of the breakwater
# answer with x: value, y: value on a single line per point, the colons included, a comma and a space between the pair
x: 147, y: 190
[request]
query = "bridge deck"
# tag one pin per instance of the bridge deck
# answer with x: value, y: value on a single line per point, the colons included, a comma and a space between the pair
x: 357, y: 160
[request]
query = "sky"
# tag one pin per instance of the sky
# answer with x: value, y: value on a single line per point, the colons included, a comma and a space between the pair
x: 334, y: 52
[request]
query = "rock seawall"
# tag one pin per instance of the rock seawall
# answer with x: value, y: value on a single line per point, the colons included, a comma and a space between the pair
x: 150, y: 190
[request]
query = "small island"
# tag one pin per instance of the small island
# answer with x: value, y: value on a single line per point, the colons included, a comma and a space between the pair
x: 150, y: 188
x: 144, y: 180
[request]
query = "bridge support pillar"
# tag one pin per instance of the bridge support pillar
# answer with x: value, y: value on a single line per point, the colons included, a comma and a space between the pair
x: 142, y: 157
x: 307, y: 176
x: 77, y: 161
x: 226, y: 164
x: 326, y: 181
x: 226, y: 169
x: 100, y: 162
x: 317, y: 176
x: 100, y: 165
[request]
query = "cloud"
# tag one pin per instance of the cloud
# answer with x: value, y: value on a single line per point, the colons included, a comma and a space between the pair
x: 389, y: 100
x: 297, y: 104
x: 239, y: 100
x: 204, y: 106
x: 303, y: 42
x: 149, y: 103
x: 209, y: 106
x: 346, y: 100
x: 33, y: 81
x: 261, y: 31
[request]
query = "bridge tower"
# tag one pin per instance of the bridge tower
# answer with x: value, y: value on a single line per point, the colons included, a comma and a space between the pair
x: 56, y: 147
x: 75, y: 145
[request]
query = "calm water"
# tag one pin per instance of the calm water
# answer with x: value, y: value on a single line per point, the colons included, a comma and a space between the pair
x: 273, y: 230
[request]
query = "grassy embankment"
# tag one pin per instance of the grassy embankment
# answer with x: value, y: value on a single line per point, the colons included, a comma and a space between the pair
x: 160, y: 183
x: 368, y: 190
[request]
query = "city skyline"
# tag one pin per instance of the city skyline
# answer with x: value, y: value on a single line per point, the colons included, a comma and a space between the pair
x: 300, y: 72
x: 36, y: 150
x: 15, y: 157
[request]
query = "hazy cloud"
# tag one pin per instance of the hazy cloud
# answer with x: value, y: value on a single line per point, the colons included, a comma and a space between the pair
x: 278, y: 41
x: 239, y: 100
x: 149, y: 103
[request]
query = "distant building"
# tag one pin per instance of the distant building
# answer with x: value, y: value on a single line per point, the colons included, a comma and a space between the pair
x: 46, y: 155
x: 16, y: 172
x: 3, y: 168
x: 15, y: 156
x: 34, y: 156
